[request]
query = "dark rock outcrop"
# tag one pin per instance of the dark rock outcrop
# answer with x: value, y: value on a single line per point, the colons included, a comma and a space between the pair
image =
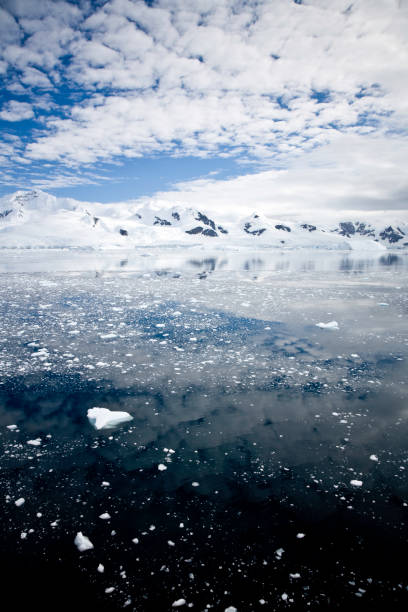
x: 310, y: 228
x: 158, y: 221
x: 256, y: 232
x: 392, y: 235
x: 123, y: 232
x: 210, y: 232
x: 195, y: 230
x: 204, y: 219
x: 285, y: 228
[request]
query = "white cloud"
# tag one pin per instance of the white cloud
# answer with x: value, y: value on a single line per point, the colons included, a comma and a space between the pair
x: 351, y: 173
x: 16, y: 111
x: 254, y: 79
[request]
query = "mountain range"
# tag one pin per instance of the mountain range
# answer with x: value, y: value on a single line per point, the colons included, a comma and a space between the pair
x: 35, y: 219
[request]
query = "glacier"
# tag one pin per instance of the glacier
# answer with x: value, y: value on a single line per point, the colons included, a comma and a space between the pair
x: 35, y: 219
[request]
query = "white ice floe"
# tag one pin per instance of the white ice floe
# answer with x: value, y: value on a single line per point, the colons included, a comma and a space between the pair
x: 161, y: 467
x: 356, y: 483
x: 373, y: 457
x: 103, y: 418
x: 100, y: 568
x: 19, y: 502
x: 36, y: 442
x: 300, y: 536
x: 11, y: 427
x: 329, y: 325
x: 105, y: 516
x: 82, y: 542
x: 178, y: 603
x: 230, y: 609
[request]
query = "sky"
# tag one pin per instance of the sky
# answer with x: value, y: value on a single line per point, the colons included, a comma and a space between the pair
x: 278, y: 105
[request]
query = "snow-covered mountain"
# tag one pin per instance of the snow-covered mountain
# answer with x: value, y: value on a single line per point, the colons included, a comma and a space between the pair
x: 34, y: 219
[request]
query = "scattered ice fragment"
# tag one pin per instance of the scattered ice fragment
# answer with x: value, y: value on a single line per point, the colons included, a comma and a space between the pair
x: 152, y: 527
x: 373, y: 457
x: 100, y: 568
x: 19, y: 502
x: 36, y: 442
x: 178, y: 603
x: 230, y: 609
x: 195, y: 484
x: 103, y: 418
x: 279, y: 552
x: 105, y: 483
x: 11, y: 427
x: 329, y: 325
x: 135, y: 540
x: 105, y: 516
x: 161, y: 467
x: 294, y: 575
x: 82, y: 542
x: 109, y: 590
x: 356, y: 483
x: 300, y: 536
x: 355, y: 355
x: 284, y: 596
x: 170, y: 543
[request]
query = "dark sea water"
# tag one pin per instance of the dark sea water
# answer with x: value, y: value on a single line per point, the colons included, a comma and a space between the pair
x: 263, y: 420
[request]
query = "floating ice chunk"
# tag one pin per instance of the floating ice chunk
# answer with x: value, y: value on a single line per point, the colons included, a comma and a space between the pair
x: 105, y: 483
x: 284, y: 596
x: 356, y: 483
x: 103, y: 418
x: 11, y: 427
x: 300, y: 536
x: 373, y: 457
x: 109, y: 590
x: 279, y: 552
x: 170, y: 543
x: 36, y: 442
x: 135, y: 540
x: 105, y: 516
x: 82, y: 542
x: 329, y: 325
x: 294, y: 576
x: 195, y: 484
x: 178, y: 603
x: 161, y: 467
x: 19, y: 502
x: 100, y: 568
x: 230, y: 609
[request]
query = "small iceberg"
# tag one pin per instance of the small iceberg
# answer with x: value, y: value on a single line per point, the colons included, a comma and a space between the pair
x: 103, y: 418
x: 82, y: 542
x: 329, y: 325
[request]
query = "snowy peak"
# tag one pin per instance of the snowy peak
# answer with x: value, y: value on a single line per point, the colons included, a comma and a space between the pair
x: 38, y: 219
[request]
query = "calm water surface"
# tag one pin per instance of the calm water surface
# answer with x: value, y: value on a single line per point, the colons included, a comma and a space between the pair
x: 263, y: 420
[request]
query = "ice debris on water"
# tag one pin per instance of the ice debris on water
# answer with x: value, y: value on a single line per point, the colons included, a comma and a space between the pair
x: 36, y: 442
x: 356, y: 483
x: 329, y: 325
x: 19, y: 502
x: 279, y: 552
x: 373, y: 457
x: 100, y: 568
x: 230, y: 609
x: 161, y: 467
x: 103, y: 418
x: 300, y: 536
x: 11, y: 427
x: 82, y: 542
x: 105, y: 516
x: 178, y: 603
